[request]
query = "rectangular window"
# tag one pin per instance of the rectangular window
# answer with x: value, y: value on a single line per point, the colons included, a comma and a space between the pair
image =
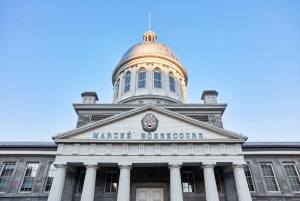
x: 172, y: 83
x: 50, y: 177
x: 29, y: 177
x: 249, y: 178
x: 142, y: 79
x: 269, y: 176
x: 188, y: 182
x: 218, y: 181
x: 157, y: 79
x: 5, y: 175
x: 127, y: 82
x: 80, y: 182
x: 111, y: 182
x: 293, y: 176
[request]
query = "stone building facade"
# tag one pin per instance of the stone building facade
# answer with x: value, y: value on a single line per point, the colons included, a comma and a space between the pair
x: 149, y: 144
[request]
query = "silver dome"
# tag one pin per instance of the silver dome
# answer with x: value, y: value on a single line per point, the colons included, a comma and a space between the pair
x: 151, y: 47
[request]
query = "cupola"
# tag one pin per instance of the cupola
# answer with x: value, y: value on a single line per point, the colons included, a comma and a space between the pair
x: 149, y: 36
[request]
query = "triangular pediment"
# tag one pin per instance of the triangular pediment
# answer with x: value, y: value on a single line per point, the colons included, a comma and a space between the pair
x: 127, y: 126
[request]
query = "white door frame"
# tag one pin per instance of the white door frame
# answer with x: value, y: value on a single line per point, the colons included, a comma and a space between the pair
x: 150, y: 192
x: 162, y: 185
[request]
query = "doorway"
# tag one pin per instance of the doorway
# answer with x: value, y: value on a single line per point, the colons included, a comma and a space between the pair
x: 149, y: 194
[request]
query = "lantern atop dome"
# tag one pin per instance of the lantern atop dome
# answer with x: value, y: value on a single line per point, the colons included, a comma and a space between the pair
x: 149, y: 36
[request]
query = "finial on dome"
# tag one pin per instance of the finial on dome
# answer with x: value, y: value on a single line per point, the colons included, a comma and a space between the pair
x: 149, y: 36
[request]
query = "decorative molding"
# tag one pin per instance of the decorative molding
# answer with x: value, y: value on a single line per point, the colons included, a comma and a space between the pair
x: 60, y: 149
x: 76, y: 148
x: 206, y: 149
x: 239, y: 150
x: 92, y: 149
x: 190, y: 149
x: 125, y: 150
x: 141, y: 149
x: 223, y: 149
x: 108, y: 149
x: 157, y: 149
x: 174, y: 149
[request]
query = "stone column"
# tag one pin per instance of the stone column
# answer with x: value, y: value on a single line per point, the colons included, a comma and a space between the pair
x: 175, y: 183
x: 88, y: 191
x: 211, y: 190
x: 58, y: 183
x: 124, y: 183
x: 241, y: 183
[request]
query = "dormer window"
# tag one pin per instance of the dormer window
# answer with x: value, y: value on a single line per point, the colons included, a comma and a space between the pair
x: 157, y: 78
x: 142, y: 78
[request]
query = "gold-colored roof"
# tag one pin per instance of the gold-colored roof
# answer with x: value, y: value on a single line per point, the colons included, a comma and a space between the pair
x: 151, y: 47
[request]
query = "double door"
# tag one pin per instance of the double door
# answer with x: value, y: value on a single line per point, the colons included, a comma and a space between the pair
x: 149, y: 194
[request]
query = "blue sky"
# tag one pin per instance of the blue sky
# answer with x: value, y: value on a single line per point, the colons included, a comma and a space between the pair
x: 52, y: 51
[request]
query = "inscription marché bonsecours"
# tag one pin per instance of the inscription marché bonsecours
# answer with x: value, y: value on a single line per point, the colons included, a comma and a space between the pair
x: 149, y: 136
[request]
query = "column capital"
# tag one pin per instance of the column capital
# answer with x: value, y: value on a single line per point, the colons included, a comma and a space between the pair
x: 92, y: 166
x: 61, y: 166
x: 208, y: 166
x: 174, y: 166
x: 234, y: 166
x: 129, y: 167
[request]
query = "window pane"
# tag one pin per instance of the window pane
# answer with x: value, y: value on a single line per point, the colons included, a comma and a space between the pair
x: 187, y: 182
x: 3, y: 183
x: 127, y: 82
x: 81, y: 181
x: 218, y: 182
x: 27, y: 184
x: 29, y: 177
x: 269, y: 176
x: 142, y: 79
x: 111, y: 183
x: 7, y: 170
x: 48, y: 184
x: 172, y: 83
x: 292, y: 174
x: 249, y: 177
x: 157, y: 79
x: 50, y: 176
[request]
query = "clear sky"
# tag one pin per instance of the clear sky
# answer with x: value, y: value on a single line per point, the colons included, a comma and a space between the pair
x: 52, y: 51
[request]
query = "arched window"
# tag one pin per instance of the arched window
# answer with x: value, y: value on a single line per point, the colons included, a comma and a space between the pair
x: 91, y: 100
x: 127, y: 82
x: 157, y: 78
x: 117, y: 89
x: 172, y: 82
x: 142, y: 78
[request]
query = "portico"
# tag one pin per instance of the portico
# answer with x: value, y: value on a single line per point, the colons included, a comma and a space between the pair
x: 215, y: 149
x: 172, y: 186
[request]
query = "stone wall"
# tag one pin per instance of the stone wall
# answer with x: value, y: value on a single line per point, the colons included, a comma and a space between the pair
x: 286, y: 193
x: 37, y: 193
